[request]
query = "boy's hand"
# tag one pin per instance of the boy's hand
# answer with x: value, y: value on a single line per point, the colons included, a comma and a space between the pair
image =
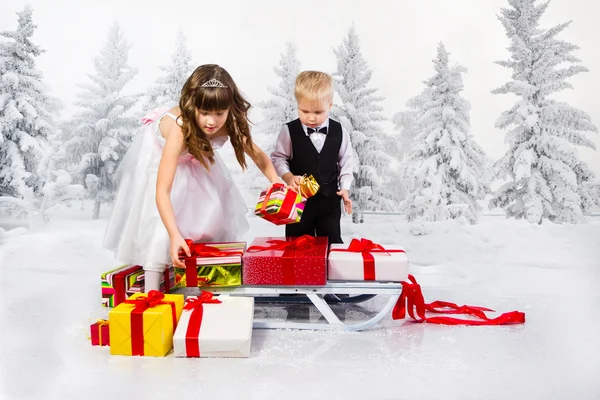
x: 347, y: 202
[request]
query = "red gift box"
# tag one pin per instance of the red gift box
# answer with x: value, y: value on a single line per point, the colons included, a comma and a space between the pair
x: 99, y: 333
x: 289, y: 262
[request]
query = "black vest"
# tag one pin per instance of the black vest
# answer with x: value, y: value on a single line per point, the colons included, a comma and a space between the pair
x: 307, y: 160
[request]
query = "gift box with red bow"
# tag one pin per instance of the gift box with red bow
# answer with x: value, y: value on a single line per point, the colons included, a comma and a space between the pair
x: 363, y: 260
x: 99, y: 334
x: 292, y: 262
x: 214, y: 327
x: 211, y: 264
x: 126, y: 280
x: 280, y: 205
x: 143, y: 325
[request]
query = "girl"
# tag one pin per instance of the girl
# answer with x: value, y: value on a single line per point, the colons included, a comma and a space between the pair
x: 172, y: 184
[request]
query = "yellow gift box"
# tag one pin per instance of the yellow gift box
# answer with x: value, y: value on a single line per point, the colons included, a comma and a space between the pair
x: 308, y: 186
x: 143, y: 325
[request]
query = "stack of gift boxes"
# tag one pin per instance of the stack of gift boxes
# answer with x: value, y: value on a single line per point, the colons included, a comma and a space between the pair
x: 221, y: 326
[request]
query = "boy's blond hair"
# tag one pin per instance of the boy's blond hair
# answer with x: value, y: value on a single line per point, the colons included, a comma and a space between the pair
x: 313, y: 86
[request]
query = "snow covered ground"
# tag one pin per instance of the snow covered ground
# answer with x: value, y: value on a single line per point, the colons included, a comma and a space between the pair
x: 50, y: 293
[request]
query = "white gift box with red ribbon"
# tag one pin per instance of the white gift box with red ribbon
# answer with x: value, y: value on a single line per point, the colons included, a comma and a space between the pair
x: 363, y: 260
x: 215, y: 327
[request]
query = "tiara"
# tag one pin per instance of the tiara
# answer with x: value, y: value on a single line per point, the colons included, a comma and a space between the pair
x: 213, y: 83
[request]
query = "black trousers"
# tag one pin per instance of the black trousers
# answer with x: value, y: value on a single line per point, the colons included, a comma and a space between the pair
x: 322, y: 217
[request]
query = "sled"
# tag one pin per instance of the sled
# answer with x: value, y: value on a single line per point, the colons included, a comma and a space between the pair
x: 316, y: 295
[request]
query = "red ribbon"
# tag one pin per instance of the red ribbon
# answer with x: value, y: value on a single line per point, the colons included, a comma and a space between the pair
x: 366, y: 247
x: 167, y: 279
x: 200, y: 250
x: 289, y: 248
x: 118, y: 282
x: 192, y: 334
x: 289, y: 201
x: 412, y: 300
x: 142, y: 303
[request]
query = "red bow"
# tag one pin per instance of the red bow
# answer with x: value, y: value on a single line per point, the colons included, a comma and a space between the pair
x: 205, y: 297
x: 142, y: 303
x: 302, y: 242
x: 203, y: 250
x: 366, y: 247
x: 192, y: 334
x: 152, y: 299
x: 363, y: 245
x: 412, y: 298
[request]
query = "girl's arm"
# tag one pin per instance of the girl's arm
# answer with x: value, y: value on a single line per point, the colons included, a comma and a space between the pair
x: 166, y: 173
x: 263, y: 162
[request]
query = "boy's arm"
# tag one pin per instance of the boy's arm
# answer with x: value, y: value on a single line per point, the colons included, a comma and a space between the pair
x: 282, y: 154
x: 346, y: 162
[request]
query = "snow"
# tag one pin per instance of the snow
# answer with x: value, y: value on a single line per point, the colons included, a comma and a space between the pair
x: 51, y: 294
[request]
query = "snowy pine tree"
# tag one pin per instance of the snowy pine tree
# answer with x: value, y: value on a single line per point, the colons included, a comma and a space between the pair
x: 278, y: 110
x: 404, y: 124
x: 446, y: 169
x: 360, y: 115
x: 26, y: 111
x: 395, y: 182
x: 399, y: 146
x: 546, y: 178
x: 167, y: 89
x: 58, y: 188
x: 281, y: 107
x: 103, y: 130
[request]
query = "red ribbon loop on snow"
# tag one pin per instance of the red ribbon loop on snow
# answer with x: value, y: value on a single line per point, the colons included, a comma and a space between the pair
x: 142, y: 303
x: 192, y: 334
x: 366, y: 247
x: 411, y: 301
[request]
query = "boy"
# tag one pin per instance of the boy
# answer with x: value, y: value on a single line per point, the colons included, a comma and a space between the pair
x: 315, y: 144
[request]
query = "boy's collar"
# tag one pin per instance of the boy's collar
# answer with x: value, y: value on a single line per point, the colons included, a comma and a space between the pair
x: 325, y: 123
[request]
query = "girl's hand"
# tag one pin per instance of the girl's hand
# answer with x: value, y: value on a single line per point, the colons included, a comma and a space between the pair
x: 178, y: 243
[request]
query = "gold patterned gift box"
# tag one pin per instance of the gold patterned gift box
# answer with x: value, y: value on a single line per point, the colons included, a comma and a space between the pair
x: 211, y: 264
x: 308, y: 186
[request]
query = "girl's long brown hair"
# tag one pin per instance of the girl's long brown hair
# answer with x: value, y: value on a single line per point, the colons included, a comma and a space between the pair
x: 195, y: 97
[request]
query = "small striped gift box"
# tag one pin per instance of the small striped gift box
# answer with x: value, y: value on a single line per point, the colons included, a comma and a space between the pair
x: 280, y: 205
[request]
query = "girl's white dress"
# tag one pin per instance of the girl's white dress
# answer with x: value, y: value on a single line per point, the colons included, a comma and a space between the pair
x: 207, y: 204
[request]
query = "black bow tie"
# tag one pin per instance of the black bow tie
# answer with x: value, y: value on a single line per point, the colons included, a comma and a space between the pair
x: 322, y: 130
